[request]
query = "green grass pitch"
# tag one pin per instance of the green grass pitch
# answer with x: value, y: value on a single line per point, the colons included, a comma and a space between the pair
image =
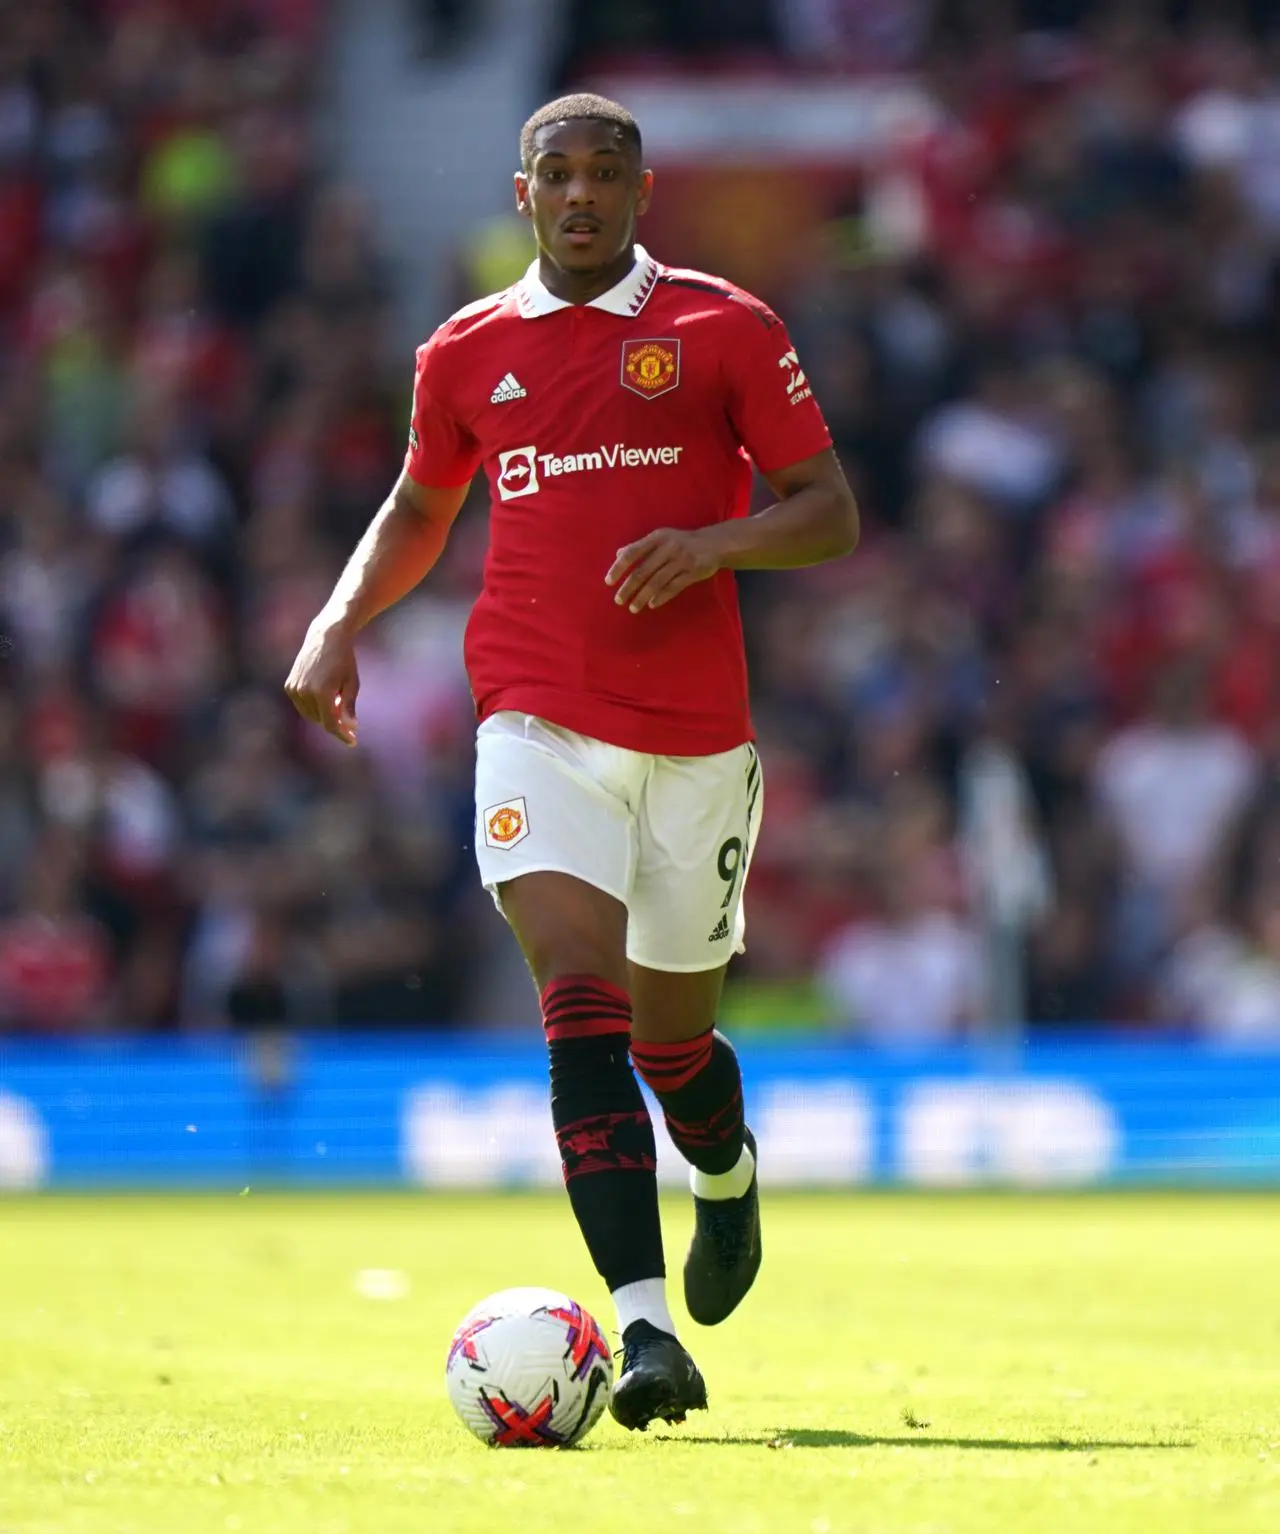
x: 906, y: 1365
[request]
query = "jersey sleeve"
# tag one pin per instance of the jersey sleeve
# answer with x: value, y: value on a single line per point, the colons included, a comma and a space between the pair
x: 441, y: 451
x: 771, y: 401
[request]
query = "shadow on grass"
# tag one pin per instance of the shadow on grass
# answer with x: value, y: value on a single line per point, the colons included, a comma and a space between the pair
x: 837, y: 1438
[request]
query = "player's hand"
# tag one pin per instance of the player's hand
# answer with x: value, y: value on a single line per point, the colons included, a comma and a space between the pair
x: 324, y: 681
x: 660, y: 566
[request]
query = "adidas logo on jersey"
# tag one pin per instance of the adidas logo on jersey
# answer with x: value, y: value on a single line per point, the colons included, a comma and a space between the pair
x: 508, y: 389
x: 720, y: 931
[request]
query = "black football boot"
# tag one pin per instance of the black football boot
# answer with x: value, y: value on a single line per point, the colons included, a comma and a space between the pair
x: 658, y: 1379
x: 724, y: 1255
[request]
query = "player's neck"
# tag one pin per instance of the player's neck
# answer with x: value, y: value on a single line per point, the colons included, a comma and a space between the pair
x: 582, y: 287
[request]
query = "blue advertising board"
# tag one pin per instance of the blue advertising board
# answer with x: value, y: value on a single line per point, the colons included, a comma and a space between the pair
x: 471, y: 1111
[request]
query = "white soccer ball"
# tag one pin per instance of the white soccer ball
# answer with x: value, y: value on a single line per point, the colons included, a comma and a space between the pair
x: 529, y: 1369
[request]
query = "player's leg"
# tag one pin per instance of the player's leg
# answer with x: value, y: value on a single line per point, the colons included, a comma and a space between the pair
x: 697, y: 830
x: 558, y: 849
x: 574, y: 939
x: 692, y: 1069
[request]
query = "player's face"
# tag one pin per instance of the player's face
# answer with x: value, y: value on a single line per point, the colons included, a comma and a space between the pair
x: 584, y: 191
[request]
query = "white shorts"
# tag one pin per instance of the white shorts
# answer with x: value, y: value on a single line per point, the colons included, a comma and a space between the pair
x: 671, y: 837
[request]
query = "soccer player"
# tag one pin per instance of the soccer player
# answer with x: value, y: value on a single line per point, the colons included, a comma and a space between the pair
x: 616, y: 407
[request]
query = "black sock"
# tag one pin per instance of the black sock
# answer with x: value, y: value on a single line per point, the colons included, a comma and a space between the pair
x: 603, y: 1127
x: 699, y: 1085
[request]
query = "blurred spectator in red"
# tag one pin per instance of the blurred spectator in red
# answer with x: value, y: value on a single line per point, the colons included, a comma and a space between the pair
x: 55, y: 958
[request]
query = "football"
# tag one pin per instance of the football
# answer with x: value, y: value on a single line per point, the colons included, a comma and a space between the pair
x: 529, y: 1369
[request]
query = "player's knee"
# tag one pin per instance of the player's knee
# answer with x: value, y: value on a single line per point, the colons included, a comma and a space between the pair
x: 565, y: 927
x: 671, y: 1007
x: 570, y: 955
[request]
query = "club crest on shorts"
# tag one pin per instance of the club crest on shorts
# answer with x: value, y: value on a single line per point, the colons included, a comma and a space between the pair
x: 506, y: 824
x: 651, y: 368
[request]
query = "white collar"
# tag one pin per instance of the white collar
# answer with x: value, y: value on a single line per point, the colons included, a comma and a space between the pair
x: 625, y: 298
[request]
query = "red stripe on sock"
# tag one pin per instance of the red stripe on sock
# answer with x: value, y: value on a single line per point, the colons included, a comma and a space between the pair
x: 672, y: 1054
x: 584, y: 1007
x: 668, y: 1067
x: 587, y: 1028
x: 719, y: 1127
x: 576, y: 1014
x: 595, y: 984
x: 606, y: 1142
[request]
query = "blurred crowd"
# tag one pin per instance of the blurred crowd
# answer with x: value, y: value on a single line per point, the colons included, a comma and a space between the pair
x: 1031, y: 734
x: 196, y: 422
x: 1022, y: 751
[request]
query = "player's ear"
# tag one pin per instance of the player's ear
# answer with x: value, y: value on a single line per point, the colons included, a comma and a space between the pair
x: 523, y: 205
x: 645, y: 194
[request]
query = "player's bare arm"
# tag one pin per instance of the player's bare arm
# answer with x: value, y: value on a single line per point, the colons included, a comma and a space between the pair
x: 401, y: 544
x: 815, y: 519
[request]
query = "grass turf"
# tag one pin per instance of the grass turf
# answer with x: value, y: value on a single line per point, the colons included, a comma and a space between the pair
x: 906, y: 1363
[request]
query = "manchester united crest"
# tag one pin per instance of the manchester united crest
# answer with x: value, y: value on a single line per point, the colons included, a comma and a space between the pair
x: 650, y: 368
x: 506, y: 824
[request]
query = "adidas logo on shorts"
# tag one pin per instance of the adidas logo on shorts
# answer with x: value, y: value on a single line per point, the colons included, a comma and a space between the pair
x: 720, y: 930
x: 508, y: 389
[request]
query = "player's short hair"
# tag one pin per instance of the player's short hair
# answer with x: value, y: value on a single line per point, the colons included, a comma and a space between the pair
x: 575, y: 108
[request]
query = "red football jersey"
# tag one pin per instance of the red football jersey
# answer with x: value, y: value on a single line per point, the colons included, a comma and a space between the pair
x: 596, y: 424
